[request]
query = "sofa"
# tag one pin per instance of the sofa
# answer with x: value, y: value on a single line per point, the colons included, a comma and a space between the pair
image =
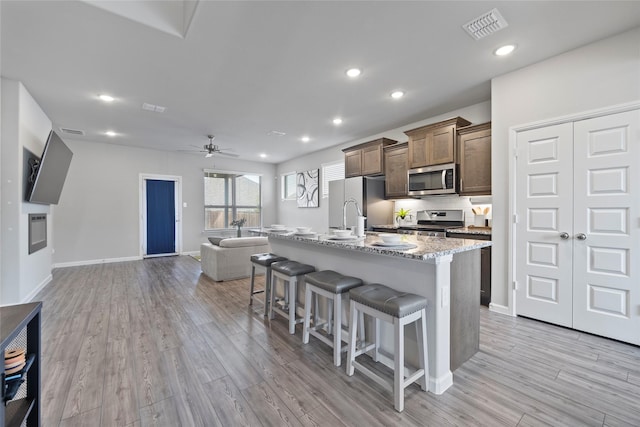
x: 228, y: 259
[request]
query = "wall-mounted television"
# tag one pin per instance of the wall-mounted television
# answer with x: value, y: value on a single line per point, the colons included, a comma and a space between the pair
x: 49, y: 173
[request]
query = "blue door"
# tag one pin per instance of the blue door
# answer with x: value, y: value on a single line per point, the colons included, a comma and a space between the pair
x: 161, y: 217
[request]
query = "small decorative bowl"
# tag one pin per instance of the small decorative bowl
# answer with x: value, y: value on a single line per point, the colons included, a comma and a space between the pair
x: 390, y: 237
x: 277, y: 226
x: 342, y: 233
x: 303, y: 230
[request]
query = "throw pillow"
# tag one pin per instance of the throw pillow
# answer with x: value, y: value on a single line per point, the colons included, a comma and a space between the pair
x: 215, y: 240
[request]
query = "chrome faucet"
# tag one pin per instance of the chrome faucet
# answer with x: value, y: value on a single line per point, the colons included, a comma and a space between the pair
x: 344, y: 211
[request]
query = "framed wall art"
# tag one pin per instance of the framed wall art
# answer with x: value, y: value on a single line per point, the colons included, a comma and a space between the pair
x: 307, y: 188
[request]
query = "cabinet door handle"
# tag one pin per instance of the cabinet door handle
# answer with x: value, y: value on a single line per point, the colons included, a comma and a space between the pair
x: 581, y: 236
x: 564, y: 235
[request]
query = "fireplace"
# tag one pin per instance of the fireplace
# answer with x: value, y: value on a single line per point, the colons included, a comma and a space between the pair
x: 37, y: 232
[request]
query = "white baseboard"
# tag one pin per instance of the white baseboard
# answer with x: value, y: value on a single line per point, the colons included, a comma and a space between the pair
x: 497, y: 308
x: 38, y: 288
x: 96, y: 261
x: 191, y: 253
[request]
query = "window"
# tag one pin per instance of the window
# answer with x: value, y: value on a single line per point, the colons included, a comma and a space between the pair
x: 288, y: 186
x: 228, y: 197
x: 331, y: 172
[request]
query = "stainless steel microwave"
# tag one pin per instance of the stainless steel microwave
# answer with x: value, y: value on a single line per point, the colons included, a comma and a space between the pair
x: 438, y: 179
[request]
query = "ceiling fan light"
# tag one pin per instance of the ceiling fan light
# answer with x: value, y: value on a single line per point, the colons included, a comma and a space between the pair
x: 208, y: 155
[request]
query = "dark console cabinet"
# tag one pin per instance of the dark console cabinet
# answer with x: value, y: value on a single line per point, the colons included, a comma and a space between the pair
x: 20, y: 328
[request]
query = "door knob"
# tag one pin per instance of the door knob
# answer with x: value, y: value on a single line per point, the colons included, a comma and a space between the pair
x: 581, y: 236
x: 564, y: 235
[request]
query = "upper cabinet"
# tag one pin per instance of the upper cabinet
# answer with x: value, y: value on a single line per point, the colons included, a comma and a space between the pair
x: 396, y: 165
x: 434, y: 144
x: 475, y: 159
x: 366, y: 159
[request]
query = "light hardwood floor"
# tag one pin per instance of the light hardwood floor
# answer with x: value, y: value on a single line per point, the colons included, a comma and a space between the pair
x: 155, y: 343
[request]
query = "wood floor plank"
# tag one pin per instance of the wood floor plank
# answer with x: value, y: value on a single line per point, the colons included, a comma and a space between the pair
x: 319, y: 417
x: 530, y: 421
x: 191, y: 400
x: 86, y: 388
x: 157, y: 343
x: 150, y: 371
x: 268, y: 407
x: 165, y: 414
x: 89, y: 418
x: 231, y: 407
x: 241, y: 370
x: 120, y: 403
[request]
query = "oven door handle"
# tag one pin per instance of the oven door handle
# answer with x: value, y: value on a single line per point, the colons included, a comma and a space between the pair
x: 444, y: 179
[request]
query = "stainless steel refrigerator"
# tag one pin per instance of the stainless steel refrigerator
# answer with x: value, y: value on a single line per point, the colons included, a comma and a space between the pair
x: 368, y: 192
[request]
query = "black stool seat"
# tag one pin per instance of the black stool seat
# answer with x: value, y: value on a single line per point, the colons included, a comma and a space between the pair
x: 332, y: 281
x: 266, y: 259
x: 292, y: 268
x: 387, y: 300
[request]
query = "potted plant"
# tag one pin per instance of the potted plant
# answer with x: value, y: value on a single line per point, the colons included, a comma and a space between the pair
x: 238, y: 223
x: 402, y: 215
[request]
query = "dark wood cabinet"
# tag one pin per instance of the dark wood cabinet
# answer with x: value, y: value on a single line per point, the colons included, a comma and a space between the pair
x: 475, y: 159
x: 352, y: 163
x: 20, y: 328
x: 434, y: 144
x: 396, y: 165
x: 366, y: 159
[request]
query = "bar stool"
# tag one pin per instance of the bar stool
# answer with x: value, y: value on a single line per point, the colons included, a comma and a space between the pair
x: 399, y: 309
x: 291, y: 272
x: 263, y: 261
x: 331, y: 285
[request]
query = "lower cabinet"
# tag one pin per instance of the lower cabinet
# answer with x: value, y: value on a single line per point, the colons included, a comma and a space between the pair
x: 485, y: 264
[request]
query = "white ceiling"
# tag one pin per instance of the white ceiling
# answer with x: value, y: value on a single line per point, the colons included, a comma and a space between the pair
x: 242, y: 69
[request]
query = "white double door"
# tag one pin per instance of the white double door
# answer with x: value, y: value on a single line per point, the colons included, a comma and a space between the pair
x: 577, y: 235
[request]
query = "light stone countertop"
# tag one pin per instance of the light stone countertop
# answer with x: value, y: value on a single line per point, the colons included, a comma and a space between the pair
x: 485, y: 231
x: 417, y: 247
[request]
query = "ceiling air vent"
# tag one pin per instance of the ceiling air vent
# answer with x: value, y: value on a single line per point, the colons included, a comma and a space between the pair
x: 485, y: 25
x: 72, y: 131
x: 153, y: 108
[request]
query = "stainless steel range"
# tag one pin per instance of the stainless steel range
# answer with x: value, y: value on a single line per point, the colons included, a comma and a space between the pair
x: 437, y: 222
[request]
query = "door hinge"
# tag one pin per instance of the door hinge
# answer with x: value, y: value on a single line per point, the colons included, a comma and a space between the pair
x: 515, y: 153
x: 515, y: 285
x: 515, y: 218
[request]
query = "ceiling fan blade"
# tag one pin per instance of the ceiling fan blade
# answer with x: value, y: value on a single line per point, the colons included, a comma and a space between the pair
x: 222, y: 153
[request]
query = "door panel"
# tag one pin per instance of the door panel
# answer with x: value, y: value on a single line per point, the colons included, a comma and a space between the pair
x: 606, y: 290
x: 161, y: 217
x: 544, y: 197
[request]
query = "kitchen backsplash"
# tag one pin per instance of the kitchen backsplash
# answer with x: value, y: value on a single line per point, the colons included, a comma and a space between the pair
x: 446, y: 202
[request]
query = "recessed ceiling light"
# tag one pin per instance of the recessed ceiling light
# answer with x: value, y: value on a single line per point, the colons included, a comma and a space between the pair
x: 263, y: 155
x: 397, y: 94
x: 305, y: 139
x: 504, y: 50
x: 110, y: 133
x: 353, y: 72
x: 106, y: 98
x: 337, y: 121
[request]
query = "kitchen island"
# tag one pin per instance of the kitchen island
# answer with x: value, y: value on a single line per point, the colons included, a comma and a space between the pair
x: 445, y: 271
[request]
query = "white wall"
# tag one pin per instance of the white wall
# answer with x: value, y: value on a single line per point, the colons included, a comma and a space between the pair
x: 598, y: 75
x: 24, y: 125
x: 318, y: 218
x: 98, y: 217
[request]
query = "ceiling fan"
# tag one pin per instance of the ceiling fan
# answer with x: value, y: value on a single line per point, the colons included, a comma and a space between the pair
x: 210, y: 149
